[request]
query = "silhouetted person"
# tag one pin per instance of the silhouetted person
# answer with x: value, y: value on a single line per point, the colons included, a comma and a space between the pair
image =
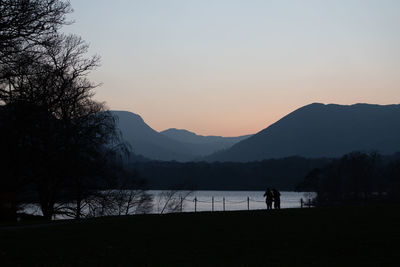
x: 268, y: 198
x: 277, y: 198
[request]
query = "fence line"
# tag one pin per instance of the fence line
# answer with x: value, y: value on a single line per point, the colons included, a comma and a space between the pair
x: 224, y: 202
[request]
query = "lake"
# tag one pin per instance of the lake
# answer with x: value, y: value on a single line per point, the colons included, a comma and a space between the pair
x: 211, y: 201
x: 234, y: 200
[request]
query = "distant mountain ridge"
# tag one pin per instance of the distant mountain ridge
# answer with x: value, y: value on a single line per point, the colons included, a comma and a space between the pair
x: 190, y: 137
x: 147, y: 142
x: 169, y: 145
x: 203, y: 145
x: 319, y: 130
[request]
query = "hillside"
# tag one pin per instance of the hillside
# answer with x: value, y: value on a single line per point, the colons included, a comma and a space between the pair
x: 171, y: 144
x: 202, y: 145
x: 149, y: 143
x: 319, y: 130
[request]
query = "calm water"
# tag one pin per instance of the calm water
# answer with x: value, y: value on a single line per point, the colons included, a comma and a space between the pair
x: 235, y: 200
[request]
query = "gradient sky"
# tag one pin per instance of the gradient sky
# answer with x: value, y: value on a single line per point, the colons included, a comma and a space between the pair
x: 230, y: 67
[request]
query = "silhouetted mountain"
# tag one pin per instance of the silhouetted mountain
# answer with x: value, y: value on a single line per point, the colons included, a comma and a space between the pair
x: 319, y: 130
x: 202, y: 145
x: 149, y: 143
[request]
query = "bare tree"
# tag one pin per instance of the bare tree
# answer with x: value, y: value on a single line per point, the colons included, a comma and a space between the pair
x: 130, y: 196
x: 132, y: 201
x: 172, y: 200
x: 117, y: 203
x: 71, y: 138
x: 25, y: 24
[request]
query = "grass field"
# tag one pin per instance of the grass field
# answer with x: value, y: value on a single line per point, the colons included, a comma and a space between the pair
x: 367, y: 236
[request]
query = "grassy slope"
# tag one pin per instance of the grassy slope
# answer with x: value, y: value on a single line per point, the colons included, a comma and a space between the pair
x: 307, y: 237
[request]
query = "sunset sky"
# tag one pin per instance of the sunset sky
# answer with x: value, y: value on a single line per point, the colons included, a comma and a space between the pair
x: 230, y: 67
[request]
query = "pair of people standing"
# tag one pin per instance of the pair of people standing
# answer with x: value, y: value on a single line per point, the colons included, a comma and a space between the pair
x: 272, y: 196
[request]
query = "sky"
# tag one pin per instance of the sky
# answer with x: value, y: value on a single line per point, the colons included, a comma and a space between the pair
x: 233, y: 67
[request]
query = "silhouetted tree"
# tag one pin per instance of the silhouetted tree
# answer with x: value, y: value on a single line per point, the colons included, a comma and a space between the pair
x: 124, y: 195
x: 26, y: 27
x: 28, y: 24
x: 311, y: 181
x: 131, y: 196
x: 59, y: 140
x: 392, y: 179
x: 354, y: 179
x: 172, y: 200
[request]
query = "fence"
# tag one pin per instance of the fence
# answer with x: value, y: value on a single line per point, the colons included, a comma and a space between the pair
x: 209, y: 204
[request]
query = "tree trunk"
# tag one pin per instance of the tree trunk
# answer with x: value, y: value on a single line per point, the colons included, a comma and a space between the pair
x: 47, y: 210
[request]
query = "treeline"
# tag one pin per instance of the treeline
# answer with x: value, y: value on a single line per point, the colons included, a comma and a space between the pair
x: 356, y: 178
x: 283, y: 174
x: 59, y: 147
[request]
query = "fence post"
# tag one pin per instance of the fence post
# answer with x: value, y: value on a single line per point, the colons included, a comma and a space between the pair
x: 195, y: 204
x: 223, y: 201
x: 181, y: 204
x: 248, y: 203
x: 212, y: 201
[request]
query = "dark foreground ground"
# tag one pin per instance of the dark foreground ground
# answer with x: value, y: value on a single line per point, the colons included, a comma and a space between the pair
x: 298, y: 237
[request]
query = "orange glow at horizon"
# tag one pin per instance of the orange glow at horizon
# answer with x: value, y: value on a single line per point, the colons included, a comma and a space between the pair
x: 231, y: 67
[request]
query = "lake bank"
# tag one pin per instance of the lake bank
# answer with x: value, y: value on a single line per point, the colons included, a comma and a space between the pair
x: 213, y: 200
x: 298, y: 237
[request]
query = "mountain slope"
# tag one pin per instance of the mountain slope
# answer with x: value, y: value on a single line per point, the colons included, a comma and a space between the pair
x: 319, y: 130
x: 149, y: 143
x: 202, y: 145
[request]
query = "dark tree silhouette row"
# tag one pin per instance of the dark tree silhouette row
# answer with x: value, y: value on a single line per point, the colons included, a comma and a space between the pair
x: 283, y: 174
x: 356, y: 178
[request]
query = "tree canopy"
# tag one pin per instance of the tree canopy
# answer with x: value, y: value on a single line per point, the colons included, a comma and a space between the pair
x: 57, y: 138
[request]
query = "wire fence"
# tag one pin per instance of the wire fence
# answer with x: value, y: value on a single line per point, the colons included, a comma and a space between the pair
x: 196, y: 204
